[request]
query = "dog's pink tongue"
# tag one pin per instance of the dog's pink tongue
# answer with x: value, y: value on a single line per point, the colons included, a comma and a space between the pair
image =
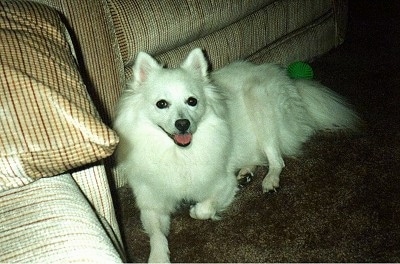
x: 183, y: 139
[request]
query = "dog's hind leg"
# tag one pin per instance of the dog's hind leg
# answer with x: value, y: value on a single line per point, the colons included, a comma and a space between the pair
x: 245, y: 175
x: 157, y: 225
x: 276, y: 164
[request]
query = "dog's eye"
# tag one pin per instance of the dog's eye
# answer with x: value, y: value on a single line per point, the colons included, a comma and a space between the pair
x: 162, y: 104
x: 192, y: 101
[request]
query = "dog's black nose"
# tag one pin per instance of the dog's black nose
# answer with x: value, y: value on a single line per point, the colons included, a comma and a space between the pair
x: 182, y: 124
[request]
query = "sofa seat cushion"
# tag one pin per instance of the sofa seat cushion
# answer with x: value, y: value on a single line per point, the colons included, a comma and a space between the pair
x: 48, y: 122
x: 51, y: 221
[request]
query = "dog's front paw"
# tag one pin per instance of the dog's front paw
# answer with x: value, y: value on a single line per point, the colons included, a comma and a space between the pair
x: 270, y: 183
x: 159, y: 251
x: 203, y: 211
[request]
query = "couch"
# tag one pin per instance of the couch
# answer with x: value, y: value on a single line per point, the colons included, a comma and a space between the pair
x: 63, y: 66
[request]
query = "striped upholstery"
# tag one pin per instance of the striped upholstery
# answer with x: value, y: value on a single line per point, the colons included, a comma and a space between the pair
x: 99, y: 51
x: 157, y: 28
x: 48, y: 121
x: 264, y: 31
x: 94, y: 185
x: 237, y: 27
x: 50, y: 221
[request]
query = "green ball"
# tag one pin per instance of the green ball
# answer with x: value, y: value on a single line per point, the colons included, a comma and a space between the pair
x: 300, y: 70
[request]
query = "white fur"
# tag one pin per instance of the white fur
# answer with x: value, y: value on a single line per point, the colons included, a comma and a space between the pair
x: 253, y: 116
x: 272, y: 115
x: 161, y: 173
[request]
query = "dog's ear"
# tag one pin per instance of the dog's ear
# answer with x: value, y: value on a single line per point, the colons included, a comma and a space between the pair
x: 196, y: 62
x: 144, y: 64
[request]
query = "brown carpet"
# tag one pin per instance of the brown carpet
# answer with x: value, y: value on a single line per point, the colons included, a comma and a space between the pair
x: 340, y: 201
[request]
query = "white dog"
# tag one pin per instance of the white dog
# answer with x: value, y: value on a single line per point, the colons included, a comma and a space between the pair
x: 183, y: 134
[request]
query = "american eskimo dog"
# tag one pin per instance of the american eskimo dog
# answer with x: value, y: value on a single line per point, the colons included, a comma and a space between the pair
x: 184, y: 133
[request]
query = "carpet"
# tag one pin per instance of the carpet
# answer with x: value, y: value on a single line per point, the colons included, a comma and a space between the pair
x: 339, y: 201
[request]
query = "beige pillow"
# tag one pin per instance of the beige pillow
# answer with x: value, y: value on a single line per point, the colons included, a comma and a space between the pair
x: 48, y: 123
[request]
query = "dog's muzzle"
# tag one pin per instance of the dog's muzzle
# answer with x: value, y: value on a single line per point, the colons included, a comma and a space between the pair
x: 183, y: 138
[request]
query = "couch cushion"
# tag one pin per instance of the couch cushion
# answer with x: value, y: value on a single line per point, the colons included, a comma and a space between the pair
x: 48, y: 122
x: 161, y: 26
x: 263, y: 31
x: 50, y: 221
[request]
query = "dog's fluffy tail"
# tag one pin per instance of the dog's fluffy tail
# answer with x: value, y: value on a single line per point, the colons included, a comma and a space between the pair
x: 329, y: 110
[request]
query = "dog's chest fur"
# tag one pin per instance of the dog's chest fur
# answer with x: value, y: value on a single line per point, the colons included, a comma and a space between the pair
x: 182, y: 171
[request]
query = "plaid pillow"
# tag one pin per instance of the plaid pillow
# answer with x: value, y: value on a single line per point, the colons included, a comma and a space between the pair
x: 48, y: 122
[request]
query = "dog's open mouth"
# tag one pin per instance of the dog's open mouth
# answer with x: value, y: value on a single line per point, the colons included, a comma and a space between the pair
x: 180, y: 139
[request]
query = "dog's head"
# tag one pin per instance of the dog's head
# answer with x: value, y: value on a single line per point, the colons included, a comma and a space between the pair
x: 174, y: 100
